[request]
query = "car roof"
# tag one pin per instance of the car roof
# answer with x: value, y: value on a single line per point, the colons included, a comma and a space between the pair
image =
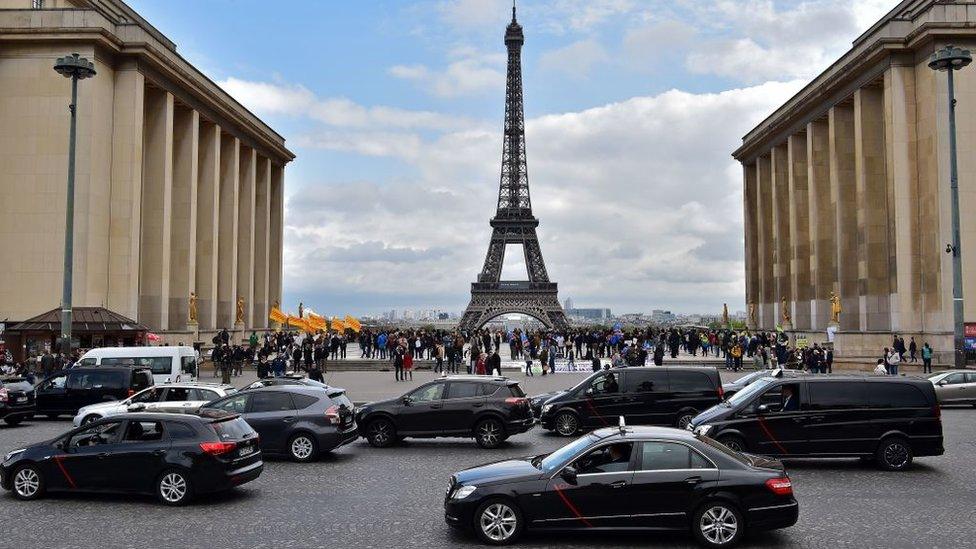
x: 303, y: 389
x: 641, y: 432
x: 472, y: 377
x: 682, y: 368
x: 106, y: 369
x: 196, y: 385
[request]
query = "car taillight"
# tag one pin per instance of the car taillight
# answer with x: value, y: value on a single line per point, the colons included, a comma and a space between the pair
x: 131, y: 392
x: 780, y: 486
x: 218, y: 448
x: 4, y: 395
x: 332, y: 412
x: 721, y: 392
x: 516, y: 401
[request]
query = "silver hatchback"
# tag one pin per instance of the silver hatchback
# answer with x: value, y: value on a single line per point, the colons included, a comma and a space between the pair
x: 955, y: 387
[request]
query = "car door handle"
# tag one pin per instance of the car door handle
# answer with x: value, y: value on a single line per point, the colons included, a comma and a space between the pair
x: 618, y: 484
x: 436, y: 406
x: 159, y: 452
x: 693, y: 480
x: 289, y: 419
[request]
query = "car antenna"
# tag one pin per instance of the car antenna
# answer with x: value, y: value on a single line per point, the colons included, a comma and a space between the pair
x: 623, y: 425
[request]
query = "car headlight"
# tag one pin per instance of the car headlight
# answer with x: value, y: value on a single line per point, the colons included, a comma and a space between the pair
x: 12, y: 454
x: 463, y: 492
x: 546, y: 408
x: 702, y: 430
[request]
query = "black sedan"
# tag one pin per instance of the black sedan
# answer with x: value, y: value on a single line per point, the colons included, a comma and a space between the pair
x: 16, y: 399
x: 174, y: 456
x: 294, y: 420
x: 640, y: 478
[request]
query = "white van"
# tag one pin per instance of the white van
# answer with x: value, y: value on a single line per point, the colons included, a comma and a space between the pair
x: 168, y: 364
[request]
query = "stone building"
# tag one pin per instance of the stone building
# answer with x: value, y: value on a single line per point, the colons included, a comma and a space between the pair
x: 179, y: 188
x: 846, y: 191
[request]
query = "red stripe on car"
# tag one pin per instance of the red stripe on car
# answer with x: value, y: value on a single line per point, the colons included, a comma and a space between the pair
x: 71, y: 481
x: 572, y: 508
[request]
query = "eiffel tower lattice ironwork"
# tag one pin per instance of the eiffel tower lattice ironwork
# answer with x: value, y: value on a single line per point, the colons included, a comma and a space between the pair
x: 513, y: 222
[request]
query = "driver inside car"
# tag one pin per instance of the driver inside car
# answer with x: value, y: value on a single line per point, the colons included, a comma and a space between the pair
x: 613, y: 458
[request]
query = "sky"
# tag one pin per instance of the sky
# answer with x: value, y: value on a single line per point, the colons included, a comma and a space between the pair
x: 395, y: 108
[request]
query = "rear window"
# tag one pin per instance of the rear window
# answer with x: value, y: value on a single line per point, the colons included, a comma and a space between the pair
x: 94, y: 379
x: 516, y: 391
x: 689, y: 381
x: 234, y: 429
x: 895, y: 395
x: 836, y: 394
x: 303, y: 401
x: 340, y: 399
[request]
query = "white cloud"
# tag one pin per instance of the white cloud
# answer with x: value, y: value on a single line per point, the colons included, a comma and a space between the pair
x: 576, y: 59
x: 469, y: 72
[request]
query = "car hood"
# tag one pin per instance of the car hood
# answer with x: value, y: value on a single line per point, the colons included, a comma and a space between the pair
x: 718, y: 412
x: 541, y: 399
x: 498, y: 472
x: 107, y: 406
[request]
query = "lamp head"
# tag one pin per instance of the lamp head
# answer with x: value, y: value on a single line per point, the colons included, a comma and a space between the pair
x: 950, y: 57
x: 74, y: 66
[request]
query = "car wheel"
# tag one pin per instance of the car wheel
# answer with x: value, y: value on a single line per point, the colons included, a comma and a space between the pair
x: 173, y: 488
x: 302, y: 448
x: 718, y: 524
x: 13, y: 421
x: 684, y: 418
x: 894, y: 454
x: 380, y: 433
x: 567, y: 424
x: 733, y: 442
x: 92, y: 418
x: 28, y: 483
x: 498, y: 522
x: 489, y: 433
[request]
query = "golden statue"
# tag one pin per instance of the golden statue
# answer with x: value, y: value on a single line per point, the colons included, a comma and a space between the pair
x: 301, y: 310
x: 193, y: 307
x: 835, y: 308
x: 725, y: 314
x: 785, y: 307
x: 752, y: 314
x: 240, y: 310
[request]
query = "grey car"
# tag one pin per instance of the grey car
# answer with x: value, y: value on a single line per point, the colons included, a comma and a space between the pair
x: 955, y: 387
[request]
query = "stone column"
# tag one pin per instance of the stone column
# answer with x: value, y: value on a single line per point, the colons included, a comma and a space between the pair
x: 186, y: 141
x: 126, y: 201
x: 843, y: 198
x: 781, y: 231
x: 277, y: 232
x: 208, y: 224
x: 262, y: 227
x: 749, y: 183
x: 799, y: 257
x: 227, y: 238
x: 823, y: 224
x: 764, y: 219
x: 245, y: 232
x: 157, y: 176
x: 872, y: 210
x: 900, y: 151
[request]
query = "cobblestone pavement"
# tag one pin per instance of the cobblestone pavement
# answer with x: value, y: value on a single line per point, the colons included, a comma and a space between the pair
x: 363, y: 497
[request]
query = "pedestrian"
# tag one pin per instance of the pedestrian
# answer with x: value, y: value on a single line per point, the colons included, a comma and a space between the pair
x: 880, y: 369
x: 912, y: 350
x: 479, y: 365
x: 495, y: 363
x: 926, y: 358
x: 439, y: 356
x: 894, y: 357
x: 408, y: 366
x: 398, y: 363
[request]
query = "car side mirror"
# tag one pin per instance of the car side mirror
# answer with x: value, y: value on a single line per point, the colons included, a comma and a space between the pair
x: 588, y: 392
x: 407, y: 401
x: 569, y: 474
x: 138, y: 407
x: 941, y: 383
x: 762, y: 409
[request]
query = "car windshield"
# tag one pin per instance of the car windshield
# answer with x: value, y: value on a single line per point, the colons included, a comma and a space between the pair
x: 751, y: 390
x: 562, y: 455
x: 746, y: 380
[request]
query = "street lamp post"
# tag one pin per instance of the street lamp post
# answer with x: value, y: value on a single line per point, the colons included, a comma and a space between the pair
x: 76, y: 68
x: 950, y: 59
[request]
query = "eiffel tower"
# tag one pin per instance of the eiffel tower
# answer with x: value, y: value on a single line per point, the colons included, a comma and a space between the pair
x: 513, y: 222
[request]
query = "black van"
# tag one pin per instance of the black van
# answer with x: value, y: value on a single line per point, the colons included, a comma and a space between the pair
x: 653, y: 395
x: 65, y: 392
x: 889, y: 419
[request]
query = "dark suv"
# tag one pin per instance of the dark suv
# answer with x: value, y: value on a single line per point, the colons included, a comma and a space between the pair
x: 16, y: 399
x: 65, y: 392
x: 490, y: 409
x: 653, y: 395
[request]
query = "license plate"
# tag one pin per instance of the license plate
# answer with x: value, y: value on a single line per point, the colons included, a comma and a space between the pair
x: 21, y: 399
x: 246, y: 451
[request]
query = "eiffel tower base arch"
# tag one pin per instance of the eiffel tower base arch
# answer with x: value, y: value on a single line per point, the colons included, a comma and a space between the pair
x: 541, y: 304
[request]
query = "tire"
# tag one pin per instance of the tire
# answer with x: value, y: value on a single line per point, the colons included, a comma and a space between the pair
x: 489, y: 433
x: 28, y: 483
x: 567, y: 424
x: 684, y: 418
x: 734, y: 442
x: 498, y: 522
x: 718, y: 524
x: 302, y: 448
x: 173, y: 488
x: 381, y: 433
x: 13, y: 421
x: 894, y: 454
x: 91, y: 418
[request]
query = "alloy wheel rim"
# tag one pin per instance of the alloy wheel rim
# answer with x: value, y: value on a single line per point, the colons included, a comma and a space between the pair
x: 380, y: 432
x: 27, y: 482
x: 173, y: 487
x: 896, y: 455
x: 489, y: 433
x: 89, y: 419
x: 684, y: 420
x: 733, y: 444
x: 301, y: 447
x: 567, y: 425
x: 498, y: 522
x: 719, y: 525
